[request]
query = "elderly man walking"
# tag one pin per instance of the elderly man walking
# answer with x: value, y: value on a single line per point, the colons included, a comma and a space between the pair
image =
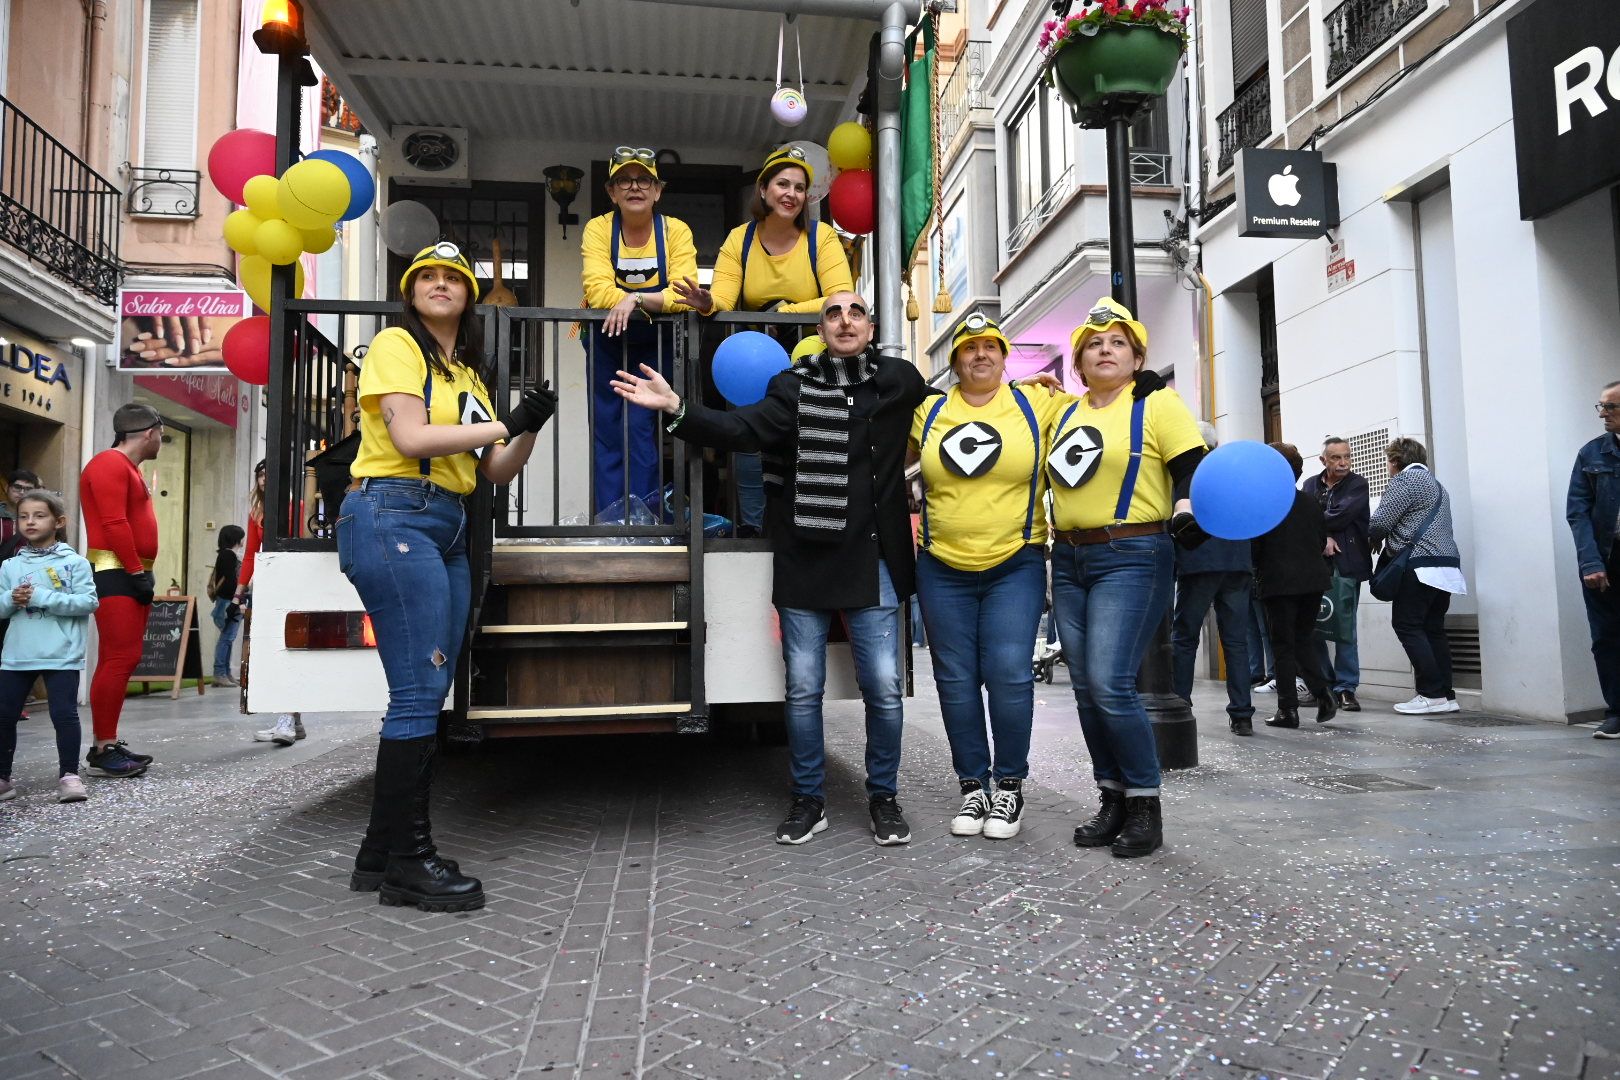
x: 1346, y: 509
x: 1593, y: 507
x: 834, y: 428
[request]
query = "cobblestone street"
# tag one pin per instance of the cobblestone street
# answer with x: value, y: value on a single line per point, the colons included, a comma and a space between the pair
x: 1380, y: 897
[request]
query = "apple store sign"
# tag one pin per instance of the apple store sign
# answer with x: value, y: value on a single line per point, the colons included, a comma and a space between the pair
x: 1286, y: 193
x: 1564, y: 68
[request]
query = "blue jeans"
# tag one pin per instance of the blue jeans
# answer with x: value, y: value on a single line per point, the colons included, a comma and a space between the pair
x: 1108, y: 599
x: 1260, y: 659
x: 1603, y: 619
x: 229, y: 623
x: 919, y: 633
x: 1231, y: 593
x: 616, y: 425
x: 982, y: 627
x: 403, y: 544
x: 874, y: 638
x: 62, y: 692
x: 1345, y: 661
x: 750, y: 489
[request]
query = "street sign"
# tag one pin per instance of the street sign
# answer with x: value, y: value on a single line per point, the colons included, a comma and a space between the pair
x: 1286, y: 193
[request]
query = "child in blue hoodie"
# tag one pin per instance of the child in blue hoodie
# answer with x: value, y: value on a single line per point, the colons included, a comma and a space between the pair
x: 48, y: 592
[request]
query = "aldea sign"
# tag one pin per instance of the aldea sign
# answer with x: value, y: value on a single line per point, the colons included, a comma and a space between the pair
x: 1564, y: 70
x: 1286, y: 193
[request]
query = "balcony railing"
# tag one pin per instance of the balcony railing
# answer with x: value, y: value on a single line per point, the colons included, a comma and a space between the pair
x: 963, y: 91
x: 1356, y: 28
x: 1041, y: 212
x: 169, y: 193
x: 1150, y: 168
x: 55, y: 208
x: 1246, y: 122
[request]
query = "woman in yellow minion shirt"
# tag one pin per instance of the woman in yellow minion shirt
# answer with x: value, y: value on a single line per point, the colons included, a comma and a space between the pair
x: 632, y: 258
x: 779, y: 261
x: 426, y: 431
x: 981, y: 569
x: 1120, y: 465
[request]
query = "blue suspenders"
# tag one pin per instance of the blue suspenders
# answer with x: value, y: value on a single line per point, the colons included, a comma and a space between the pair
x: 1034, y: 475
x: 425, y: 465
x: 811, y: 237
x: 658, y: 239
x: 1127, y: 487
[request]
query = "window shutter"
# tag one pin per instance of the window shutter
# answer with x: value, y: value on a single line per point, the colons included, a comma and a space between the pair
x: 169, y: 126
x: 1250, y: 48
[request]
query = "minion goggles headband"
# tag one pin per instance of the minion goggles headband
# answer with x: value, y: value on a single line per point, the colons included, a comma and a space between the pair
x: 978, y: 325
x: 645, y: 156
x: 446, y: 254
x: 790, y: 155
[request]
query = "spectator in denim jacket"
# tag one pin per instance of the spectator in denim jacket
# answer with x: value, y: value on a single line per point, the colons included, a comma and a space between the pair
x: 1593, y: 510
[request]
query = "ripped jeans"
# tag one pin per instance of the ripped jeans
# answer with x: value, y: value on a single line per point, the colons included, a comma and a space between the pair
x: 875, y: 641
x: 403, y: 544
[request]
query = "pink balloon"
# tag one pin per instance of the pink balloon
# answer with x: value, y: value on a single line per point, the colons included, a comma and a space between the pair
x: 247, y: 349
x: 238, y: 156
x: 853, y: 201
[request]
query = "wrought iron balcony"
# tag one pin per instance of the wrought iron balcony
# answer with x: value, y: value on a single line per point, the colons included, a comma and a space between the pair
x: 1356, y: 28
x: 1150, y: 168
x: 1041, y: 212
x: 56, y: 209
x: 1246, y: 122
x: 963, y: 92
x: 169, y: 193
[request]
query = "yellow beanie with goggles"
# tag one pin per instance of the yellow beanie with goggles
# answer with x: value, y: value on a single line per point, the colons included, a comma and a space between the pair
x: 444, y: 253
x: 975, y: 326
x: 789, y: 155
x: 1108, y: 312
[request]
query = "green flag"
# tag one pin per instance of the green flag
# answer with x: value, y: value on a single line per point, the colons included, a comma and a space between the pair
x: 917, y: 142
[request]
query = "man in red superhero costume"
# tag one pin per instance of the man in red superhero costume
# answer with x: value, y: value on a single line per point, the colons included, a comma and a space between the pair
x: 122, y: 534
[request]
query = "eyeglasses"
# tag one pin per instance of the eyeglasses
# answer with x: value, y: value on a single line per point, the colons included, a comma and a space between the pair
x: 622, y: 154
x: 854, y: 313
x: 633, y: 181
x: 1605, y: 407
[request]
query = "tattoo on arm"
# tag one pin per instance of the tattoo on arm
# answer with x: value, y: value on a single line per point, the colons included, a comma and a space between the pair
x: 388, y: 417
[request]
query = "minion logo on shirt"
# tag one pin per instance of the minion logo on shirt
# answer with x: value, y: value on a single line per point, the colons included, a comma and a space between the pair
x: 970, y: 450
x: 1075, y: 457
x: 473, y: 412
x: 634, y: 273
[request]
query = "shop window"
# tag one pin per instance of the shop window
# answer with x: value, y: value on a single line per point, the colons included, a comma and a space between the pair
x: 169, y: 111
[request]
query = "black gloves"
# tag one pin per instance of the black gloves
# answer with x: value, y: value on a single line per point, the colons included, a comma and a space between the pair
x: 532, y: 411
x: 143, y: 586
x: 1146, y: 381
x: 1186, y: 532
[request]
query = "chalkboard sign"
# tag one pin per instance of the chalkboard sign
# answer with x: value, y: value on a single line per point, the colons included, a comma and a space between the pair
x: 172, y: 650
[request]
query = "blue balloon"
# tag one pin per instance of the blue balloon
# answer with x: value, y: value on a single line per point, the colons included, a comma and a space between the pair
x: 362, y: 189
x: 1242, y: 490
x: 744, y: 364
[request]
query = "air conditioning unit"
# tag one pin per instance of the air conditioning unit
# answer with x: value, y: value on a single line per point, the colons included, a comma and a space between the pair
x: 427, y: 155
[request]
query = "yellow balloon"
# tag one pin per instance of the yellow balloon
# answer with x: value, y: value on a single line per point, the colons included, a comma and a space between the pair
x: 313, y: 195
x: 317, y: 241
x: 278, y: 242
x: 240, y: 225
x: 254, y: 276
x: 850, y: 146
x: 260, y: 195
x: 808, y: 347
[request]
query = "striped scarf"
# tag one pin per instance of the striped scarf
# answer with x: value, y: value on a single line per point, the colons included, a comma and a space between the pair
x: 821, y: 473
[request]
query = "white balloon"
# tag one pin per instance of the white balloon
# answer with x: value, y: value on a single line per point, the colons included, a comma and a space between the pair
x: 821, y: 164
x: 408, y: 227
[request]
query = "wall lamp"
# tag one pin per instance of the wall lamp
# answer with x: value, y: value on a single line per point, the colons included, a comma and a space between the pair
x: 562, y: 183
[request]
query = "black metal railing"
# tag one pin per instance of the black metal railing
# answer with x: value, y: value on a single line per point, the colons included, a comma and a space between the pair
x: 168, y: 193
x: 1356, y: 28
x: 963, y: 91
x: 1246, y: 122
x: 55, y: 208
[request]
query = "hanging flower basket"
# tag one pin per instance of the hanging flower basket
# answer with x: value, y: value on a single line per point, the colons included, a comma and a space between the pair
x: 1113, y: 53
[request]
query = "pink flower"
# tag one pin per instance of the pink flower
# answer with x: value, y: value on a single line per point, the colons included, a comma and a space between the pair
x: 1049, y: 25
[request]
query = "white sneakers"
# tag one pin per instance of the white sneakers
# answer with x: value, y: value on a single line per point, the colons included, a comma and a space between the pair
x: 71, y: 789
x: 1270, y: 687
x: 1423, y: 706
x: 969, y: 821
x: 288, y: 730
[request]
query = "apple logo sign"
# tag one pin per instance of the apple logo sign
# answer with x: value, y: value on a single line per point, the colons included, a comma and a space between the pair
x: 1284, y: 188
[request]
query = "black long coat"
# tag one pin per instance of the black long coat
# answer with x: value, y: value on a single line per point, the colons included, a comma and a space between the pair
x: 1288, y: 560
x: 813, y: 570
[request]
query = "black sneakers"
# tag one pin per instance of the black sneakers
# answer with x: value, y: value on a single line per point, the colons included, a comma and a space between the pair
x: 1242, y: 725
x: 1006, y: 810
x: 888, y: 824
x: 144, y: 759
x: 969, y: 821
x: 1609, y: 729
x: 113, y: 760
x: 1347, y: 701
x: 1326, y: 708
x: 804, y: 820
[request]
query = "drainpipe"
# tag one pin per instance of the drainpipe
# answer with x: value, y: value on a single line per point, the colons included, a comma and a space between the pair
x: 891, y: 67
x: 96, y: 85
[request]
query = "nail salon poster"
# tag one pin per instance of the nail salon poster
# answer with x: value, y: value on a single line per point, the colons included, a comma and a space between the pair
x: 177, y: 330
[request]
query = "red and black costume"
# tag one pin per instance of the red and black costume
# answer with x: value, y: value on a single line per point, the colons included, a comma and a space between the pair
x: 121, y: 530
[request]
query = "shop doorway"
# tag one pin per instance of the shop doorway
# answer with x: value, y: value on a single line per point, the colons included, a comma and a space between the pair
x: 1265, y: 296
x: 168, y: 478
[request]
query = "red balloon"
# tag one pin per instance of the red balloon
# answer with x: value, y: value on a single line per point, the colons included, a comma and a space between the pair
x: 247, y: 349
x: 238, y: 156
x: 853, y: 201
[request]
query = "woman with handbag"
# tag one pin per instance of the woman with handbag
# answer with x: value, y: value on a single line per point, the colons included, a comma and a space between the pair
x: 1419, y: 572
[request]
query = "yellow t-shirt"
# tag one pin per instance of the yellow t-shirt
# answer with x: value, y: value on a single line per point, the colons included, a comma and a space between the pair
x: 977, y: 467
x: 1090, y: 449
x: 606, y: 284
x: 394, y: 365
x: 779, y: 277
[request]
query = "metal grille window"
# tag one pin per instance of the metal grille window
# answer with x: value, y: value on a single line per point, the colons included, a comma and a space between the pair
x: 169, y: 117
x: 1039, y: 150
x: 1367, y: 458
